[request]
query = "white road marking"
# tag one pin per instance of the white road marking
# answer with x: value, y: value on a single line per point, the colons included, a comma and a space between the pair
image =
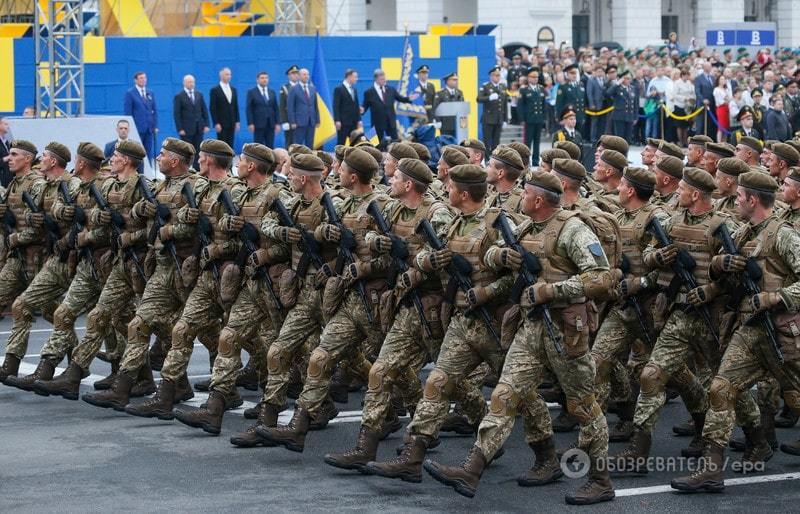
x: 37, y: 331
x: 638, y: 491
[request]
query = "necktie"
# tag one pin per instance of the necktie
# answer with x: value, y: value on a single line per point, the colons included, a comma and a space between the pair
x: 305, y: 88
x: 264, y: 94
x: 352, y: 93
x: 191, y: 95
x: 383, y: 93
x: 144, y: 95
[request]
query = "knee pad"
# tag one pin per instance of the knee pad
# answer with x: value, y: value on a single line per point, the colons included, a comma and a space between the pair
x: 180, y: 334
x: 138, y: 329
x: 683, y: 377
x: 437, y: 386
x: 63, y: 318
x: 276, y: 361
x: 319, y: 364
x: 721, y: 394
x: 602, y: 369
x: 584, y: 409
x: 227, y: 342
x: 21, y: 310
x: 98, y: 318
x: 504, y: 401
x: 377, y: 376
x: 653, y: 379
x: 792, y: 399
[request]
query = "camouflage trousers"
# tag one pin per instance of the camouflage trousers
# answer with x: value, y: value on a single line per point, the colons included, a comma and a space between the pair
x: 161, y: 305
x: 530, y: 354
x: 114, y: 309
x: 203, y: 312
x: 12, y: 280
x: 618, y: 342
x: 81, y: 296
x: 342, y: 338
x: 747, y: 360
x: 41, y: 294
x: 303, y: 323
x: 467, y: 343
x: 405, y: 351
x: 682, y: 336
x: 252, y: 325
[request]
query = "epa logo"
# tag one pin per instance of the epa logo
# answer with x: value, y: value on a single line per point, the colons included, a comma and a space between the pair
x: 575, y: 463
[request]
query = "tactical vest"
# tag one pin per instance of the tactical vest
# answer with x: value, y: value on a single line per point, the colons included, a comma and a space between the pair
x: 405, y: 229
x: 776, y: 274
x: 309, y: 218
x: 555, y: 268
x: 631, y: 235
x: 511, y: 204
x: 209, y: 204
x: 168, y: 193
x: 699, y: 242
x: 14, y: 198
x: 50, y: 195
x: 254, y: 208
x: 473, y: 246
x: 121, y: 197
x: 360, y: 222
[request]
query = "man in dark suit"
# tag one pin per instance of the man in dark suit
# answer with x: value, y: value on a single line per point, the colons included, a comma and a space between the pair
x: 426, y: 89
x: 346, y: 109
x: 449, y: 93
x: 190, y: 114
x: 225, y: 108
x: 262, y: 111
x: 302, y: 109
x: 5, y: 146
x: 292, y: 75
x: 123, y: 129
x: 704, y: 96
x: 140, y: 104
x: 779, y: 127
x: 380, y: 99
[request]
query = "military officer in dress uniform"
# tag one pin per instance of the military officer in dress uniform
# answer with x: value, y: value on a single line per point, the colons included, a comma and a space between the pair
x: 625, y: 99
x: 569, y: 130
x: 573, y: 93
x: 426, y: 90
x: 530, y: 107
x: 450, y: 93
x: 516, y: 70
x: 748, y: 127
x: 494, y: 98
x: 293, y: 74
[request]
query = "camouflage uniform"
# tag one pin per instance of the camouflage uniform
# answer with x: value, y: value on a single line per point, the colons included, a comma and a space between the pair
x: 571, y: 260
x: 748, y: 357
x: 668, y: 202
x: 254, y: 318
x: 56, y: 273
x: 407, y: 348
x: 607, y: 201
x: 203, y: 310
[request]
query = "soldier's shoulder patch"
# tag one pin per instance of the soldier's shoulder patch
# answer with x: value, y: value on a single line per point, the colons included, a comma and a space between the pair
x: 595, y: 249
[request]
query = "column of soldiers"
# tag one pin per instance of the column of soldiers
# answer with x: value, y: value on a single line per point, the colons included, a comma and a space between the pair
x: 617, y: 286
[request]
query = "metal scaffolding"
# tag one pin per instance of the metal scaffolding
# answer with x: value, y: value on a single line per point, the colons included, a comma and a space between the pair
x: 58, y: 34
x: 290, y: 17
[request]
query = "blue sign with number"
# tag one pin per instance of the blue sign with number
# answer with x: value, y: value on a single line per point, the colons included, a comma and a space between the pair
x: 755, y: 37
x: 720, y: 37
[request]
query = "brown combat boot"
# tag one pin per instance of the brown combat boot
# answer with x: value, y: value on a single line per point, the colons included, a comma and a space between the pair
x: 365, y: 451
x: 105, y: 383
x: 44, y: 371
x: 546, y: 468
x: 252, y: 412
x: 623, y: 429
x: 695, y: 448
x: 117, y: 397
x: 292, y: 436
x: 632, y: 460
x: 463, y: 479
x: 398, y: 450
x: 248, y: 377
x: 757, y: 452
x: 597, y: 488
x: 66, y: 384
x: 407, y: 466
x: 709, y: 475
x: 209, y: 418
x: 268, y: 417
x: 10, y: 367
x: 159, y: 406
x: 325, y: 414
x: 144, y: 384
x: 183, y: 389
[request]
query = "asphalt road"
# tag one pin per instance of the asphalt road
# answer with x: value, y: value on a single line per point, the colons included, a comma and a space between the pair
x: 58, y: 455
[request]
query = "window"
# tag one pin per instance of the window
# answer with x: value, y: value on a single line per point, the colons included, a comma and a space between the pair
x: 668, y: 24
x: 580, y: 30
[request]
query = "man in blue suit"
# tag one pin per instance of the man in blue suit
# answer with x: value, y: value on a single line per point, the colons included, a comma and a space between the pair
x: 262, y: 111
x: 303, y: 113
x: 140, y: 104
x: 704, y: 96
x: 123, y: 127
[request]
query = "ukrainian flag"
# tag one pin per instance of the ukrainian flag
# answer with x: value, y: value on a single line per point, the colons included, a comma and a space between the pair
x: 319, y: 77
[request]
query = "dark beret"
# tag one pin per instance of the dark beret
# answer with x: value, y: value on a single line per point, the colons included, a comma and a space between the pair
x: 402, y: 151
x: 338, y: 152
x: 91, y: 152
x: 752, y: 143
x: 699, y: 179
x: 259, y: 152
x: 59, y: 150
x: 453, y: 157
x: 571, y: 148
x: 546, y: 181
x: 569, y: 168
x: 179, y: 147
x: 732, y: 166
x: 670, y: 165
x: 307, y: 162
x: 654, y: 142
x: 325, y: 157
x: 416, y: 169
x: 787, y: 153
x: 523, y: 150
x: 758, y: 182
x: 25, y: 146
x: 360, y: 161
x: 298, y: 148
x: 614, y: 159
x: 549, y: 155
x: 700, y: 140
x: 374, y: 152
x: 468, y: 174
x: 423, y: 152
x: 475, y: 144
x: 671, y: 149
x: 640, y: 177
x: 216, y: 147
x: 720, y: 149
x: 135, y: 149
x: 509, y: 157
x: 617, y: 143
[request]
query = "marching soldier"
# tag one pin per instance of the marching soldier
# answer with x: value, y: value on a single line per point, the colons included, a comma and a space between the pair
x: 449, y: 93
x: 749, y: 356
x: 530, y: 107
x: 476, y: 150
x: 408, y: 346
x: 349, y: 322
x: 669, y: 172
x: 749, y: 150
x: 608, y: 173
x: 391, y: 159
x: 783, y: 158
x: 568, y: 131
x: 427, y: 90
x: 502, y: 173
x: 55, y: 275
x: 24, y: 241
x: 116, y: 304
x: 714, y: 152
x: 254, y: 318
x: 293, y: 76
x: 452, y: 156
x: 575, y: 271
x: 494, y: 98
x: 573, y: 95
x: 649, y: 153
x: 696, y: 149
x: 729, y: 170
